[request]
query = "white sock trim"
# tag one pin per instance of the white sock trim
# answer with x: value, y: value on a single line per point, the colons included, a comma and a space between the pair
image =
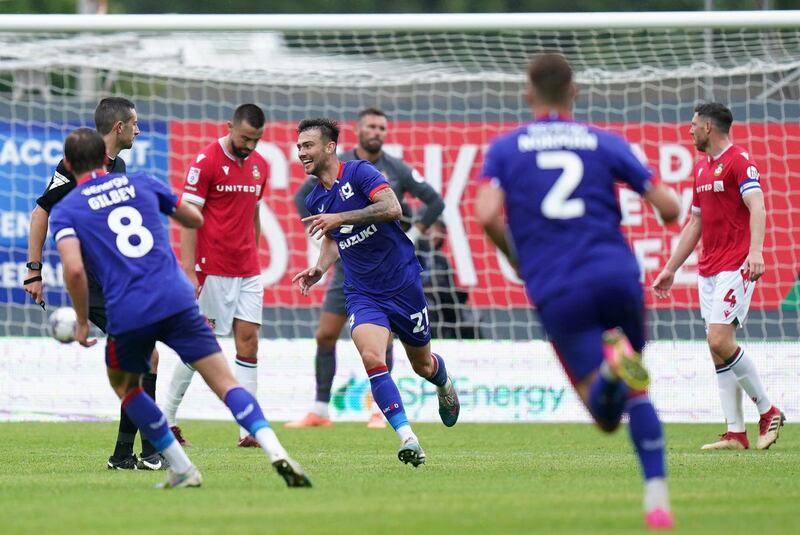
x: 269, y: 442
x: 405, y: 432
x: 178, y: 460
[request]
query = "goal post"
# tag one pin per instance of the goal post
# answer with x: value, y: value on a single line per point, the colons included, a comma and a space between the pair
x: 449, y: 84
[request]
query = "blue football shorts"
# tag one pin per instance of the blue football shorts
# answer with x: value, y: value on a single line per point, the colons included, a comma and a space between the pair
x: 575, y: 321
x: 405, y: 313
x: 186, y: 332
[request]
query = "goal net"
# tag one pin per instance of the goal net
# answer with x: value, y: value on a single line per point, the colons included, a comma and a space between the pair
x: 447, y: 93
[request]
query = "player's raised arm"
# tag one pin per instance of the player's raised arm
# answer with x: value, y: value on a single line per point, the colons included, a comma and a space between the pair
x: 384, y: 207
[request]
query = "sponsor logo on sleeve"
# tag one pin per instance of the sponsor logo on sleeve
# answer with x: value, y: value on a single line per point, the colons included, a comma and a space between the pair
x: 753, y: 173
x: 417, y: 176
x: 194, y: 176
x: 58, y: 181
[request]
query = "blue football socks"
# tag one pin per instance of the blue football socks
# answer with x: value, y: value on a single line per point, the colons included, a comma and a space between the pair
x: 245, y: 409
x: 646, y: 435
x: 387, y: 396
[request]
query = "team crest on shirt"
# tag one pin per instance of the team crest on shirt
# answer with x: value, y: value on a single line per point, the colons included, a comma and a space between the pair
x: 718, y: 170
x: 256, y: 173
x: 346, y: 191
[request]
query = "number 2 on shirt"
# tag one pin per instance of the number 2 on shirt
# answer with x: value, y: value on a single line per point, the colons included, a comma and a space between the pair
x: 557, y: 204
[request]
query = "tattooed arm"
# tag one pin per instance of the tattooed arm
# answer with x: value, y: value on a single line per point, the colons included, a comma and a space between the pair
x: 384, y: 207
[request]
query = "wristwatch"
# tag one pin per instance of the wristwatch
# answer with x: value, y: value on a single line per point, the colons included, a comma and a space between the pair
x: 34, y: 266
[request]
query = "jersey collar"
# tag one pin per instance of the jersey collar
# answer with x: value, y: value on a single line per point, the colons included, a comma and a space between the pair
x: 726, y: 149
x: 97, y: 173
x: 552, y: 117
x: 228, y: 154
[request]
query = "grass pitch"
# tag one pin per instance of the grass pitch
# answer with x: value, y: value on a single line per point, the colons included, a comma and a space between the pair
x: 487, y: 479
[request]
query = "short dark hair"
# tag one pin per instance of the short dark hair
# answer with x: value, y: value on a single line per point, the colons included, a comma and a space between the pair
x: 85, y: 150
x: 328, y: 128
x: 550, y: 74
x: 250, y: 113
x: 109, y: 111
x: 719, y: 114
x: 372, y: 111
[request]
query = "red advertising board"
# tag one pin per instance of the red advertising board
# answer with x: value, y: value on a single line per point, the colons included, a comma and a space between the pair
x: 450, y: 154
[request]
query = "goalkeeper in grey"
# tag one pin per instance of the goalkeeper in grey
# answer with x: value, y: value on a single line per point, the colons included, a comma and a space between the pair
x: 372, y: 128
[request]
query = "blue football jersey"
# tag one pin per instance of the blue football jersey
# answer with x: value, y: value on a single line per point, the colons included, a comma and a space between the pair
x: 378, y: 259
x: 558, y: 177
x: 125, y: 244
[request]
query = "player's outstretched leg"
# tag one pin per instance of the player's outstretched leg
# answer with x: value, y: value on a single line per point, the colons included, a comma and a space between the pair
x: 449, y: 406
x: 153, y: 425
x: 247, y: 412
x: 387, y: 396
x: 648, y: 440
x: 623, y: 361
x: 181, y: 379
x: 431, y: 367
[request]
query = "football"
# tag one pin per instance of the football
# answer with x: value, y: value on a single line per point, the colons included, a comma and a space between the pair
x: 62, y: 324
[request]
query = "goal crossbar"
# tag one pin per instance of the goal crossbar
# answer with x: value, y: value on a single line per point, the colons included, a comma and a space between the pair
x: 404, y: 22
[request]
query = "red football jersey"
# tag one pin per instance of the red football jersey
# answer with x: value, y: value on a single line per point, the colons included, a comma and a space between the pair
x: 227, y: 189
x: 719, y: 185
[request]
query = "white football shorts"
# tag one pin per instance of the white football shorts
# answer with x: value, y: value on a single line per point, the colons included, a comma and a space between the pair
x: 224, y: 298
x: 725, y: 297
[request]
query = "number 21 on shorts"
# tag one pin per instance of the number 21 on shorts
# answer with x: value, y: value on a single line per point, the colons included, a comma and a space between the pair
x: 421, y: 319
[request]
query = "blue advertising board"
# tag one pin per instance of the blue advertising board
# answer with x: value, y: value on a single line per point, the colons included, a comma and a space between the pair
x: 29, y: 153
